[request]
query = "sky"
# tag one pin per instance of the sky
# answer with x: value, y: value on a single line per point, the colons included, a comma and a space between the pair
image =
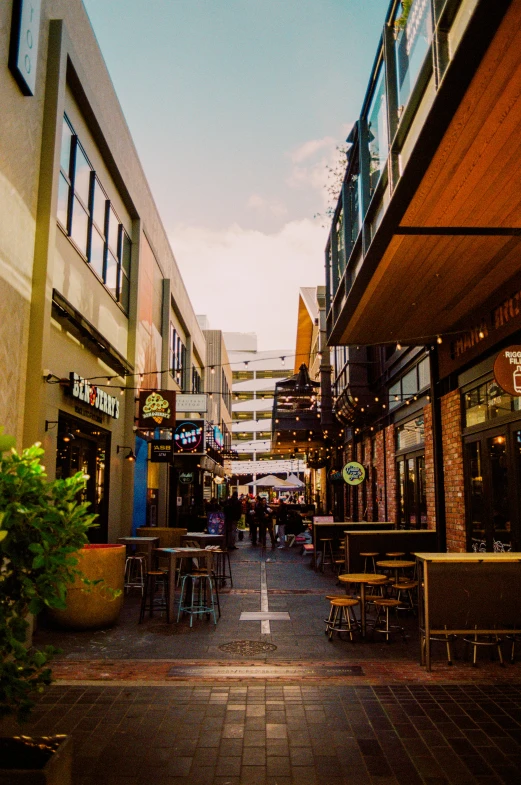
x: 236, y: 108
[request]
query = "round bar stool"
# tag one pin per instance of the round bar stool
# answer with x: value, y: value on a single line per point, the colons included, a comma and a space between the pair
x: 490, y: 641
x: 154, y: 579
x: 406, y: 588
x: 135, y: 566
x: 369, y: 555
x: 515, y: 637
x: 344, y: 619
x: 327, y: 553
x: 223, y: 567
x: 383, y: 605
x: 395, y: 554
x: 331, y: 609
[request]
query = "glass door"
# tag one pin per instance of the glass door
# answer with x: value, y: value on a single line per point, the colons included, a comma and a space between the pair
x: 412, y: 498
x: 493, y: 470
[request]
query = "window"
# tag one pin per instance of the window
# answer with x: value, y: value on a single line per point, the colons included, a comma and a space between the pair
x: 411, y: 46
x: 488, y: 401
x: 263, y: 415
x: 242, y: 376
x: 86, y: 216
x: 244, y: 396
x: 378, y: 140
x: 410, y: 434
x: 196, y: 381
x: 242, y: 416
x: 272, y: 374
x: 414, y: 382
x: 265, y: 395
x: 177, y: 356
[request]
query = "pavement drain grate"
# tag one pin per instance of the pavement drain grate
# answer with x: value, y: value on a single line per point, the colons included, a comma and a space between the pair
x: 247, y: 648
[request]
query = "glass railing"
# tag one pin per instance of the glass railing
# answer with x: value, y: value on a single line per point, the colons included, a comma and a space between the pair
x: 412, y: 42
x: 377, y: 133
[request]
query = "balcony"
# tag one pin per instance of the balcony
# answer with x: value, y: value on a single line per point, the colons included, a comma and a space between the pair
x: 428, y: 220
x: 296, y: 413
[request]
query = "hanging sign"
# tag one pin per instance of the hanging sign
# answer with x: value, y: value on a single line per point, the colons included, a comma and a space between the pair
x: 191, y: 403
x: 156, y: 407
x: 161, y: 450
x: 189, y: 436
x: 353, y: 473
x: 94, y: 396
x: 186, y: 477
x: 507, y: 370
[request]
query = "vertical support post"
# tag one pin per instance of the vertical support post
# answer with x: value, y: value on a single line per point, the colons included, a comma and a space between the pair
x: 437, y: 439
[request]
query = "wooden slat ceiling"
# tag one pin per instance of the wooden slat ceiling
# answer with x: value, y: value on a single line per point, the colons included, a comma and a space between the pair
x: 425, y: 284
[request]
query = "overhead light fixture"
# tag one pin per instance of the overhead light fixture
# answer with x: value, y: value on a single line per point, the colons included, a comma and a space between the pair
x: 398, y: 346
x: 68, y: 436
x: 131, y: 454
x: 439, y: 339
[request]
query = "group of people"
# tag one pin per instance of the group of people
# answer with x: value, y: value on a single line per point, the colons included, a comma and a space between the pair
x: 260, y: 519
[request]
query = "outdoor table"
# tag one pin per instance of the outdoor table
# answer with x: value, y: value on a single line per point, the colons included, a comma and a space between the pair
x: 173, y: 554
x: 362, y: 578
x: 146, y: 544
x: 204, y: 539
x: 395, y: 564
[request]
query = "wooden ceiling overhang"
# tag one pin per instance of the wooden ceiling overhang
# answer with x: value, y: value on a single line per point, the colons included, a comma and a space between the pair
x: 452, y: 232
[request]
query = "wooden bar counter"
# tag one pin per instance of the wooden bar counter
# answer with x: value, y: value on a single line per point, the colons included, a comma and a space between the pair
x: 462, y: 593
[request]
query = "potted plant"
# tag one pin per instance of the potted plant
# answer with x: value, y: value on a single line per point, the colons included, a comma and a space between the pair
x: 42, y: 526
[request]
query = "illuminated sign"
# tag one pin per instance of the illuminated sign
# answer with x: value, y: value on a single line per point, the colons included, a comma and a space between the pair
x: 156, y: 407
x: 189, y: 436
x: 161, y: 451
x: 507, y: 370
x: 218, y: 436
x: 353, y: 473
x: 81, y: 389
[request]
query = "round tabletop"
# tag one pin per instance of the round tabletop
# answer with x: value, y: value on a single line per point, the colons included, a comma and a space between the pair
x: 391, y: 564
x: 361, y: 577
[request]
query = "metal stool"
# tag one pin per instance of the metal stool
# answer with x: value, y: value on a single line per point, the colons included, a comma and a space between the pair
x: 384, y: 604
x: 406, y: 587
x: 515, y: 637
x: 446, y: 639
x: 134, y: 572
x: 369, y: 555
x: 327, y: 553
x: 149, y: 602
x: 194, y: 598
x: 344, y: 619
x: 222, y: 561
x: 331, y: 609
x: 488, y: 642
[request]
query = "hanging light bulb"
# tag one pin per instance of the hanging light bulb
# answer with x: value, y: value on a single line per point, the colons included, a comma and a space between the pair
x: 481, y: 334
x: 439, y: 339
x: 282, y: 361
x: 398, y: 346
x: 212, y: 368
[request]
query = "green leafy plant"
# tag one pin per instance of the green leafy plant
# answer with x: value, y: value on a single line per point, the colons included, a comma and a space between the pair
x: 42, y: 526
x: 401, y: 21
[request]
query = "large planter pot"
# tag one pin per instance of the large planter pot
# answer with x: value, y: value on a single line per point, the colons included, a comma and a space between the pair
x: 91, y: 607
x: 30, y: 766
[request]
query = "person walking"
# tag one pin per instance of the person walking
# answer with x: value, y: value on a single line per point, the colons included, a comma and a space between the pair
x: 232, y: 514
x: 282, y: 517
x: 251, y: 520
x: 263, y: 515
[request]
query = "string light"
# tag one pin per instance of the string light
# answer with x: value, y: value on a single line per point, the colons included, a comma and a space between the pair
x: 398, y: 346
x: 439, y: 339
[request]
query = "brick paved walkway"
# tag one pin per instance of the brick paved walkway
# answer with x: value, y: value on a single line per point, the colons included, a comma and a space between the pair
x: 137, y: 719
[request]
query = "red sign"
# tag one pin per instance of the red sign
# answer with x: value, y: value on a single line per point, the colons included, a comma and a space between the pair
x: 156, y: 409
x: 507, y: 370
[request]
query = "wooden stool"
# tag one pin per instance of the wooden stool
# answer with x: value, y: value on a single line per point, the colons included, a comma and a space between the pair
x: 369, y: 555
x: 395, y: 554
x: 383, y: 605
x: 154, y: 578
x: 344, y: 619
x: 406, y: 587
x: 327, y: 552
x: 515, y: 637
x: 489, y: 640
x: 331, y: 609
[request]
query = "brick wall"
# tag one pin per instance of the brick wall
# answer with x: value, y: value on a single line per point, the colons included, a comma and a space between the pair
x: 390, y: 445
x: 379, y: 466
x: 453, y: 472
x: 429, y: 467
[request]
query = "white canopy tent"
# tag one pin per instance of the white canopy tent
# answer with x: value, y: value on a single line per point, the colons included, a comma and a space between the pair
x: 270, y: 481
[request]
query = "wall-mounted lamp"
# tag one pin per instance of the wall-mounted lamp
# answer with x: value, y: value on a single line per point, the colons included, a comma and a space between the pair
x: 50, y: 422
x: 68, y: 436
x: 131, y: 455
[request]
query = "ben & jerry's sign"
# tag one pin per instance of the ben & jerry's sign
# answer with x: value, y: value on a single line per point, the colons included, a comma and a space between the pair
x: 156, y: 407
x: 94, y: 396
x: 507, y: 370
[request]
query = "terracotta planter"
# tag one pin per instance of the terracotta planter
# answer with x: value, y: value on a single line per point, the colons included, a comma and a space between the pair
x: 55, y: 770
x: 94, y: 607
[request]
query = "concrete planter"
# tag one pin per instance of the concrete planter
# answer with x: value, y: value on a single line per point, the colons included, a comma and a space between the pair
x: 56, y: 770
x: 94, y: 607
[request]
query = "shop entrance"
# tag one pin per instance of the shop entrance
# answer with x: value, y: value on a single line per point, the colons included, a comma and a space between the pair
x: 493, y: 468
x: 412, y: 497
x: 85, y: 447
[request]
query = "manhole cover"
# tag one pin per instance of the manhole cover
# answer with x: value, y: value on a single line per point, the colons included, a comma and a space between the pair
x: 247, y: 648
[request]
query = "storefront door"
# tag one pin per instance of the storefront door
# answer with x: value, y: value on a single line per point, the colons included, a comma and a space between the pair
x: 83, y: 447
x: 493, y: 468
x: 412, y: 500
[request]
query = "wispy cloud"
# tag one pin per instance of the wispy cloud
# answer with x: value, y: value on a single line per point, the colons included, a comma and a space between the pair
x: 262, y: 271
x: 309, y: 148
x: 271, y: 206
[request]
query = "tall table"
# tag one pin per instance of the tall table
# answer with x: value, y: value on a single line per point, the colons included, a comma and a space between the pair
x: 173, y: 555
x: 146, y: 544
x: 204, y: 539
x: 396, y: 565
x: 362, y: 578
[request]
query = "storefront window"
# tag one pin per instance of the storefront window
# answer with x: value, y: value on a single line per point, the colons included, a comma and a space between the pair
x: 412, y: 499
x: 410, y: 434
x: 488, y: 402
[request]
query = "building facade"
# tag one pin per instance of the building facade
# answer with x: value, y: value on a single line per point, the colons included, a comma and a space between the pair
x: 93, y: 306
x: 423, y: 275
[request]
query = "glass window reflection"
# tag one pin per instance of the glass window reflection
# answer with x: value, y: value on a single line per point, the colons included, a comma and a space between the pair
x: 377, y: 131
